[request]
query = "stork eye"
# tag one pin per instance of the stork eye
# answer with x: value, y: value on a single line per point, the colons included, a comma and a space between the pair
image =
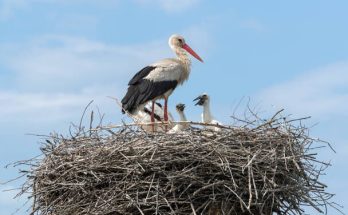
x: 180, y: 40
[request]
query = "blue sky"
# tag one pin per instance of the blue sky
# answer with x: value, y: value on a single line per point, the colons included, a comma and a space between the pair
x: 57, y: 55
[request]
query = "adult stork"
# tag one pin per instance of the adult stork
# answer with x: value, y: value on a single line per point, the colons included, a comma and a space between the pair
x: 158, y: 80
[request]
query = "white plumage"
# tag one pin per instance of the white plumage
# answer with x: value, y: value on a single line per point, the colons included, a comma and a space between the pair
x: 169, y: 69
x: 207, y: 117
x: 144, y: 117
x: 159, y: 80
x: 183, y: 124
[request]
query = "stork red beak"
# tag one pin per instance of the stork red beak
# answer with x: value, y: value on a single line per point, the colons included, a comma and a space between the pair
x: 193, y: 53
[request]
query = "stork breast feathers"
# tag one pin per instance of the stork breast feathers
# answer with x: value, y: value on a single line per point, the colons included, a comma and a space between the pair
x: 167, y: 70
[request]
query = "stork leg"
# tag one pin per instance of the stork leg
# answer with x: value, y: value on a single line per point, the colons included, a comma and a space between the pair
x: 166, y: 113
x: 153, y: 116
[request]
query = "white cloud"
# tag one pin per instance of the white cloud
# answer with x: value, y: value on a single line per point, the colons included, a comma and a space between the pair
x: 170, y: 5
x: 18, y: 103
x: 321, y: 92
x: 58, y: 63
x: 23, y: 108
x: 68, y: 63
x: 9, y: 7
x: 54, y: 77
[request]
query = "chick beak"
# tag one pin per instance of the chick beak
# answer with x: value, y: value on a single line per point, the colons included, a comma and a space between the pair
x: 180, y: 107
x: 200, y: 100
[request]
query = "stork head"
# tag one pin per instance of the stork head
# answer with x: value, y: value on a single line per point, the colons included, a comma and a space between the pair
x: 177, y: 41
x: 180, y: 107
x: 202, y: 99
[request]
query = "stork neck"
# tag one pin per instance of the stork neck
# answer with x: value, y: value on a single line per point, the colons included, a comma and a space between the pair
x: 182, y: 116
x: 207, y: 117
x: 183, y: 57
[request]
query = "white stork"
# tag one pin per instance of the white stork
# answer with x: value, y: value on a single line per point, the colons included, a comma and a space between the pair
x: 158, y: 80
x: 183, y: 124
x: 144, y: 117
x: 207, y: 117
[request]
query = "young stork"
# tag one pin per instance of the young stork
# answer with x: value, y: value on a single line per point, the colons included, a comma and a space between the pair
x: 158, y: 80
x: 183, y: 125
x: 207, y: 117
x: 144, y: 117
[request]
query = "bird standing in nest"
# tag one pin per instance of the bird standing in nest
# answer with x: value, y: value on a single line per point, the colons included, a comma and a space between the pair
x: 143, y: 117
x: 159, y: 80
x: 183, y: 124
x: 207, y: 117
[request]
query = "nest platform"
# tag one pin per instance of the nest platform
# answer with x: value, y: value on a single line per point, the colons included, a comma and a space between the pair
x: 260, y: 169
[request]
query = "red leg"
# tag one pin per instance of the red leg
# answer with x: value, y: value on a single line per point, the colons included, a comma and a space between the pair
x: 153, y: 116
x: 166, y: 113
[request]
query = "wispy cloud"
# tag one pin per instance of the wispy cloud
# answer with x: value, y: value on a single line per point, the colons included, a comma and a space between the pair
x: 23, y: 108
x: 9, y: 7
x: 53, y: 77
x: 170, y: 5
x: 69, y: 63
x: 321, y: 92
x: 253, y: 24
x: 35, y: 106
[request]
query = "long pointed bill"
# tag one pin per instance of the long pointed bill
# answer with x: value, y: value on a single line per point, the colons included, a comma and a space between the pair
x: 193, y: 53
x: 200, y: 100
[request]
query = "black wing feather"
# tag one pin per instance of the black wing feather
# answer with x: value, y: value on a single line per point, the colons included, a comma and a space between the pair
x: 141, y: 74
x: 143, y: 91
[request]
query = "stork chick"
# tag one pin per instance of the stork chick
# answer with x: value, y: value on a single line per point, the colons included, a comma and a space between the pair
x: 143, y: 116
x: 183, y: 124
x: 207, y: 117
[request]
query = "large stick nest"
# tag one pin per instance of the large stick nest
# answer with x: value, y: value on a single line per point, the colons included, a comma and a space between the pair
x: 263, y: 167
